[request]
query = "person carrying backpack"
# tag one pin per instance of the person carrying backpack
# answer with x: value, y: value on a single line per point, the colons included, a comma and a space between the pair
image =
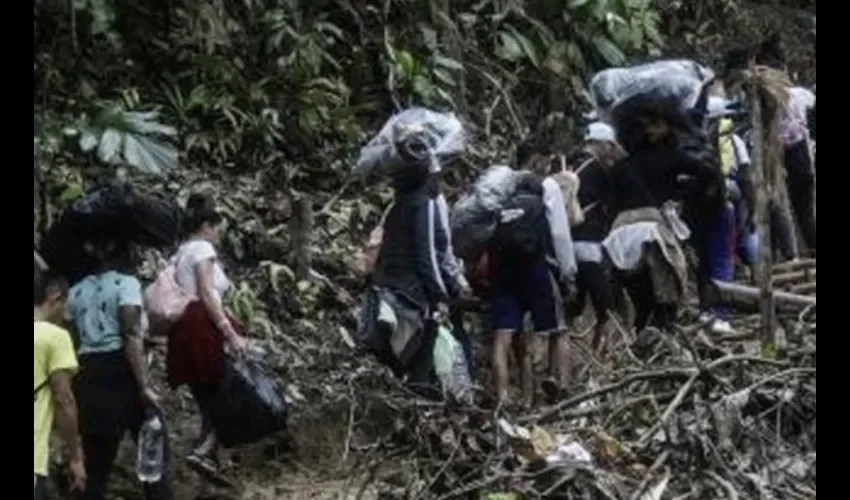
x: 644, y: 244
x: 525, y: 278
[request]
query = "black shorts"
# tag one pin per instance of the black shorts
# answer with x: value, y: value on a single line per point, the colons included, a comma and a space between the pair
x: 594, y: 280
x: 517, y: 291
x: 40, y: 488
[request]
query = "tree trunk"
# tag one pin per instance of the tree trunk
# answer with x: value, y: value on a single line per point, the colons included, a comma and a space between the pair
x: 764, y: 197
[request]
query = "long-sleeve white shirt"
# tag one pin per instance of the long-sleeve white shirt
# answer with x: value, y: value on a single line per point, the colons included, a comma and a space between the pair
x: 559, y: 226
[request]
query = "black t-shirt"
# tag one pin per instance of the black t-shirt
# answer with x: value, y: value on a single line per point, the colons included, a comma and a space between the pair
x: 594, y: 197
x: 649, y: 177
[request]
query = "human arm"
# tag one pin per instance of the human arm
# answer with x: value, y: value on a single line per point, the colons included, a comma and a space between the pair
x: 559, y: 227
x: 210, y: 298
x: 61, y: 368
x: 130, y: 320
x: 426, y: 261
x: 448, y: 261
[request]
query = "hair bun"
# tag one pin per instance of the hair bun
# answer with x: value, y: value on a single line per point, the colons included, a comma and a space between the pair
x: 196, y: 202
x: 200, y: 208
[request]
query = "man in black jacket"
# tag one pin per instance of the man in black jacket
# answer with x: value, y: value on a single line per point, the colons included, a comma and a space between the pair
x: 409, y: 266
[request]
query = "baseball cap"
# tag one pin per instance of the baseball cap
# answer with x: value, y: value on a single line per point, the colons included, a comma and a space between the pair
x: 598, y: 131
x: 718, y: 106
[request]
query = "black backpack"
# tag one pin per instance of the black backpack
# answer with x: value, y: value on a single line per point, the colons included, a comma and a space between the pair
x: 522, y: 230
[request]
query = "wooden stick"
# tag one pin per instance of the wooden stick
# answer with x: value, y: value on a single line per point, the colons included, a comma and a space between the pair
x: 794, y: 277
x: 764, y: 196
x: 734, y: 292
x: 805, y: 289
x: 793, y: 265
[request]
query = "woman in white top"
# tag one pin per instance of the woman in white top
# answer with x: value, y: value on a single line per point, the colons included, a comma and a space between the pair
x: 197, y: 342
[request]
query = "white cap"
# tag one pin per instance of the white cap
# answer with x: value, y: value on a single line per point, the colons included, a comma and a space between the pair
x: 598, y: 131
x: 717, y: 106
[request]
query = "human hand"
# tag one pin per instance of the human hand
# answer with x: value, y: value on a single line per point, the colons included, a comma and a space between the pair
x: 150, y: 398
x: 569, y: 289
x: 77, y: 474
x: 441, y: 311
x: 236, y: 345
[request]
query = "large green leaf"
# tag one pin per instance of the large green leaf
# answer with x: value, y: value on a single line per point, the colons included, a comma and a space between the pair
x: 527, y: 46
x: 447, y: 62
x: 608, y: 50
x: 509, y: 48
x: 134, y: 138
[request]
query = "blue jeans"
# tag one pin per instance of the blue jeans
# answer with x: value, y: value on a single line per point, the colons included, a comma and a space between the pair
x: 747, y: 242
x: 718, y: 256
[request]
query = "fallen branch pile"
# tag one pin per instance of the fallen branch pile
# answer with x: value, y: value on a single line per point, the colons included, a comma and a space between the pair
x: 683, y: 417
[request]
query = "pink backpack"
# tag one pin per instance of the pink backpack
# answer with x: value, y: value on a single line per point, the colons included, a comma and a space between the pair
x: 165, y: 299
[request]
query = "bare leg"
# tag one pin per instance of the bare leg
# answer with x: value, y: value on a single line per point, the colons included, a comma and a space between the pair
x: 560, y: 364
x: 523, y: 350
x: 501, y: 376
x: 601, y: 332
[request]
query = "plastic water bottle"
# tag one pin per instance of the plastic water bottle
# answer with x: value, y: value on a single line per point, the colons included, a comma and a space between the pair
x: 151, y: 448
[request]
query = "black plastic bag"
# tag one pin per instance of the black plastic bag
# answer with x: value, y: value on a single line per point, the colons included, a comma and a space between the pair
x: 249, y: 405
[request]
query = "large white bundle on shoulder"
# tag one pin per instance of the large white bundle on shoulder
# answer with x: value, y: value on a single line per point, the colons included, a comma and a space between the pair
x: 415, y: 133
x: 473, y: 218
x: 679, y: 79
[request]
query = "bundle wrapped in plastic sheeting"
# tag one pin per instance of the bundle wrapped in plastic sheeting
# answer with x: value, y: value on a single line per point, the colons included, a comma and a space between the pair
x: 450, y: 366
x: 415, y: 134
x: 474, y: 216
x: 111, y: 211
x: 679, y: 80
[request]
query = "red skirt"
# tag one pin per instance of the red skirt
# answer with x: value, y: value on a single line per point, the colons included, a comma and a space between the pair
x: 196, y: 348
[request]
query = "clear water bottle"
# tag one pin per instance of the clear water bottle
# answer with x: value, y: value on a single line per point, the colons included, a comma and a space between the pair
x: 151, y: 449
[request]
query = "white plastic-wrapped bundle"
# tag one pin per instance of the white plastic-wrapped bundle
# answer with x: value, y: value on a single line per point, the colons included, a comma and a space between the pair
x: 474, y: 216
x: 415, y: 133
x: 678, y: 79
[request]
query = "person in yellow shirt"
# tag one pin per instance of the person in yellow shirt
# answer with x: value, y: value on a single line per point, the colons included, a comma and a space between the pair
x: 54, y: 364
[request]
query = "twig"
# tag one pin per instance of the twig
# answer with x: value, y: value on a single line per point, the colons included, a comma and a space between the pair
x: 731, y: 492
x: 659, y: 461
x: 326, y: 209
x: 350, y: 432
x: 440, y: 472
x: 680, y: 396
x: 666, y: 373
